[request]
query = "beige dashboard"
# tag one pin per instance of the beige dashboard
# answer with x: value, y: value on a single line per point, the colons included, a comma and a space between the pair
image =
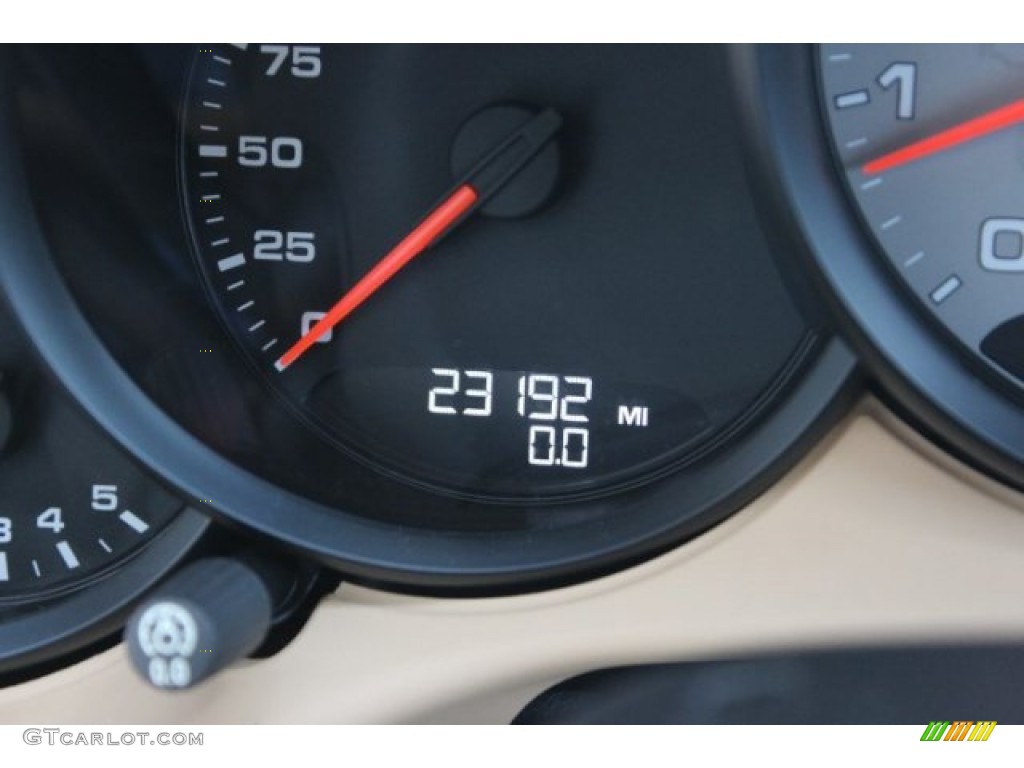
x: 874, y: 537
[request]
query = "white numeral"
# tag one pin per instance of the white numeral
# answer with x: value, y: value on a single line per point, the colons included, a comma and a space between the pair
x: 539, y: 388
x: 484, y: 394
x: 50, y: 519
x: 309, y: 319
x: 583, y: 449
x: 305, y: 59
x: 542, y: 446
x: 284, y: 151
x: 275, y: 245
x: 904, y: 77
x: 1005, y: 256
x: 436, y: 392
x: 104, y: 498
x: 581, y: 399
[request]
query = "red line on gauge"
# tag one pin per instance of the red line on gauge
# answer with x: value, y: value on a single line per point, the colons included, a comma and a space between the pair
x: 974, y: 128
x: 437, y: 222
x: 495, y: 170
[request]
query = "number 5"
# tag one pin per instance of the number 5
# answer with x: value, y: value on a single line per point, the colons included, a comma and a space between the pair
x: 104, y: 498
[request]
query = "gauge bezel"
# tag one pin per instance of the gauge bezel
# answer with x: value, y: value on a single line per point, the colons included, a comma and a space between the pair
x: 645, y: 522
x: 957, y: 403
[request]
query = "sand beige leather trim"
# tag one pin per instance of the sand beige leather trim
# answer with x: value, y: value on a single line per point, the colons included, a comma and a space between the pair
x: 875, y: 537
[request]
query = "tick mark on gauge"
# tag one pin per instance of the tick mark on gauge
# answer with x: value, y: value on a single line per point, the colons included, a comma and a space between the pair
x: 236, y: 286
x: 268, y: 345
x: 890, y: 223
x: 222, y: 241
x: 3, y: 567
x: 209, y: 174
x: 838, y: 57
x: 852, y: 99
x: 134, y: 522
x: 67, y: 555
x: 257, y: 326
x: 947, y: 288
x: 246, y: 306
x: 210, y: 128
x: 35, y: 568
x: 212, y: 105
x: 914, y: 259
x: 231, y: 262
x: 871, y: 184
x: 213, y: 150
x: 215, y: 81
x: 210, y: 198
x: 215, y: 220
x: 106, y: 547
x: 854, y: 143
x: 222, y: 60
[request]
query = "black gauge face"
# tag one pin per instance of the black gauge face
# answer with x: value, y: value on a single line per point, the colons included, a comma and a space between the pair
x: 470, y: 318
x: 72, y: 506
x: 83, y: 530
x: 931, y: 143
x: 595, y: 320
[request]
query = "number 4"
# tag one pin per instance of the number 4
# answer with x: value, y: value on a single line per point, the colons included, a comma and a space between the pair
x: 50, y: 519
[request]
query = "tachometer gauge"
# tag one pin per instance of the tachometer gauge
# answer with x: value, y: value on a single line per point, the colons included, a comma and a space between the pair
x: 903, y: 166
x: 444, y: 317
x: 932, y: 147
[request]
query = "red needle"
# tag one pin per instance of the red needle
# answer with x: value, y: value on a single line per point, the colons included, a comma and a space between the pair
x: 485, y: 179
x: 412, y: 245
x: 976, y: 127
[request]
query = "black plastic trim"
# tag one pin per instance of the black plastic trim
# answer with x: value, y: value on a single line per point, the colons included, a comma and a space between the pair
x: 865, y: 686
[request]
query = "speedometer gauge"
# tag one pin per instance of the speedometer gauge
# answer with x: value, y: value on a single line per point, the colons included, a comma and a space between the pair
x: 522, y: 350
x: 444, y: 317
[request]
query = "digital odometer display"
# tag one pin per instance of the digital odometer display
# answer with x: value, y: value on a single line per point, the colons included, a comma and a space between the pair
x: 497, y: 288
x: 509, y: 426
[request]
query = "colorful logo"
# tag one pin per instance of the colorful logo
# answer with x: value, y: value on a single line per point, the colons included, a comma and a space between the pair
x: 959, y: 730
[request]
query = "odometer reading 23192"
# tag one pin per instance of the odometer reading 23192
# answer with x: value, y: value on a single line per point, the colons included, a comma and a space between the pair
x: 553, y: 405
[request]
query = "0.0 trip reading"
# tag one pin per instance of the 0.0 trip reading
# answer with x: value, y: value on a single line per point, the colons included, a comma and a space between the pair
x: 542, y: 397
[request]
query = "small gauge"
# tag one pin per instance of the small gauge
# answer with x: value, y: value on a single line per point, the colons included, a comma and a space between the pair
x: 71, y: 506
x: 83, y: 530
